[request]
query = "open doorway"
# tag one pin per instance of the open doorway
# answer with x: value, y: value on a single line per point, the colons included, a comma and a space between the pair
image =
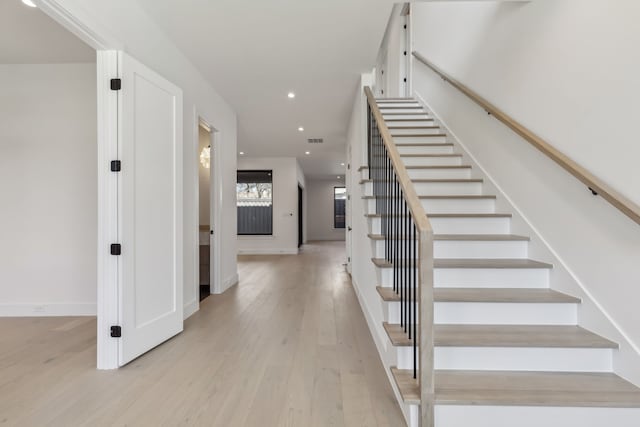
x: 48, y: 171
x: 205, y: 224
x: 300, y: 217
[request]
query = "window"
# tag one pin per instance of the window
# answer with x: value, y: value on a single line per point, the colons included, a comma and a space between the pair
x: 255, y: 202
x: 339, y: 204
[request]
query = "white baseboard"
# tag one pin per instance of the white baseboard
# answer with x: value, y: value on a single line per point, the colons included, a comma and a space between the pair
x: 229, y: 282
x: 268, y: 251
x: 190, y: 308
x: 48, y: 310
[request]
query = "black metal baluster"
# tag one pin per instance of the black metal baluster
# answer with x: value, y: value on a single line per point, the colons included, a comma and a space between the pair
x: 415, y: 299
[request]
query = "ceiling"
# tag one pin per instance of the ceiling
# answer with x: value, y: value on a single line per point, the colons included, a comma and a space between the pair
x: 255, y: 51
x: 28, y: 36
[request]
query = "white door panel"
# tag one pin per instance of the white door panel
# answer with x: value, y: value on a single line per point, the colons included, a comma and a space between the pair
x: 151, y: 288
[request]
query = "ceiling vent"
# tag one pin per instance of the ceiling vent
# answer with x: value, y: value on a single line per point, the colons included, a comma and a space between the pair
x: 315, y: 140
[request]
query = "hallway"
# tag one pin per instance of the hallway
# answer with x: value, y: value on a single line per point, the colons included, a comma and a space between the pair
x: 288, y: 346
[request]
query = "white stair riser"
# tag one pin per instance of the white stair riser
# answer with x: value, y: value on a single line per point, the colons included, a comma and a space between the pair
x: 462, y: 173
x: 425, y: 149
x: 419, y: 139
x: 523, y: 359
x: 436, y: 206
x: 421, y: 116
x: 506, y: 313
x: 410, y: 123
x: 439, y: 188
x: 406, y: 130
x: 460, y: 225
x: 383, y: 104
x: 459, y: 205
x: 480, y: 313
x: 471, y: 249
x: 432, y: 161
x: 529, y: 416
x: 491, y: 277
x: 409, y: 110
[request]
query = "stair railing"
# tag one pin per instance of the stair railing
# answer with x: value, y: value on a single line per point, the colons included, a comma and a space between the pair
x: 408, y: 238
x: 595, y: 185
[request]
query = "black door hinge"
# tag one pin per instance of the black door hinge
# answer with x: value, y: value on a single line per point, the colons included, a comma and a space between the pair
x: 116, y: 331
x: 116, y: 165
x: 116, y: 84
x: 405, y: 79
x: 349, y: 259
x: 116, y: 249
x: 405, y: 53
x: 348, y: 165
x: 405, y: 26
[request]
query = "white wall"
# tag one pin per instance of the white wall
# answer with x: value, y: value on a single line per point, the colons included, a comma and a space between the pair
x: 566, y: 70
x: 48, y: 182
x: 124, y: 25
x: 286, y: 176
x: 320, y: 213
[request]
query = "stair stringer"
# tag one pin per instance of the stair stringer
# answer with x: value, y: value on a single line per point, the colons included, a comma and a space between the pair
x: 591, y: 314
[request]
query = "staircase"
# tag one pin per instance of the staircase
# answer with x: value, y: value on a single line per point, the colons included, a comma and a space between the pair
x: 507, y: 349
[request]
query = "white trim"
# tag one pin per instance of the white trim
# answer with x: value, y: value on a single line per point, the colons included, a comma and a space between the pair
x: 229, y: 282
x: 75, y: 21
x: 215, y: 200
x: 191, y: 307
x: 107, y: 295
x: 88, y: 30
x: 47, y: 310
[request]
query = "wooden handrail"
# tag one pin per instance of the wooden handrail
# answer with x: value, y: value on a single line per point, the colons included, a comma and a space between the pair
x: 425, y: 296
x: 622, y: 203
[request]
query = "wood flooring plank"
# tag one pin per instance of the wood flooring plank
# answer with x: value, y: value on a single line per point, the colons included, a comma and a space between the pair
x: 288, y: 346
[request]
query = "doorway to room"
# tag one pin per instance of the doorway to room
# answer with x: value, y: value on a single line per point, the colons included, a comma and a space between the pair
x: 300, y: 217
x: 205, y: 224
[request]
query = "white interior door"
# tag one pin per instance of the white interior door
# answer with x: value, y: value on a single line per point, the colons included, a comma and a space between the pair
x: 150, y: 211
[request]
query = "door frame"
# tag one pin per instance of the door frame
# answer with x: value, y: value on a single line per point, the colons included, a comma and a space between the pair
x: 107, y: 67
x: 215, y: 213
x: 300, y: 215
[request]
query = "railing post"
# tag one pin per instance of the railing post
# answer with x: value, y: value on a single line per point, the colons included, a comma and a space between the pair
x: 426, y: 301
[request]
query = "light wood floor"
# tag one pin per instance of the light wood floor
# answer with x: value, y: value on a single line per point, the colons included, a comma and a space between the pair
x: 289, y: 346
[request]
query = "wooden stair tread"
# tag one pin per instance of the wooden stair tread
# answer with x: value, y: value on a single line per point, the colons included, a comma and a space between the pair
x: 432, y: 155
x: 410, y: 120
x: 465, y: 237
x: 397, y: 335
x: 413, y: 127
x: 420, y: 135
x: 361, y: 168
x: 544, y: 336
x: 442, y: 197
x: 454, y: 215
x: 424, y: 144
x: 523, y: 336
x: 438, y: 181
x: 489, y: 263
x: 489, y: 295
x: 395, y: 107
x: 514, y: 388
x: 503, y: 295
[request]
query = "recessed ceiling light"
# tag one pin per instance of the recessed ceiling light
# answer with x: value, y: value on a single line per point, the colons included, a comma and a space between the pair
x: 290, y: 94
x: 242, y: 153
x: 29, y: 3
x: 341, y: 164
x: 307, y: 152
x: 338, y: 176
x: 301, y: 129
